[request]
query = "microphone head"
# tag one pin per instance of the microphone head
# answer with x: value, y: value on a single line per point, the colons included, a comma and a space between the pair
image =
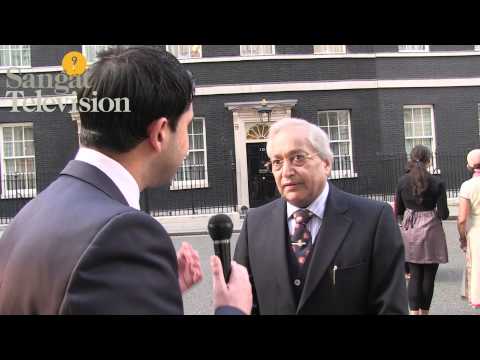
x: 220, y: 227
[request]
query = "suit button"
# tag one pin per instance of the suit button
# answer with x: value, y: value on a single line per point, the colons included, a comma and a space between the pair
x: 297, y: 282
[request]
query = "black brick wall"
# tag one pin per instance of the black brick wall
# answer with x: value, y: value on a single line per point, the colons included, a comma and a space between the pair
x: 294, y: 49
x: 258, y: 71
x: 220, y: 50
x: 48, y: 55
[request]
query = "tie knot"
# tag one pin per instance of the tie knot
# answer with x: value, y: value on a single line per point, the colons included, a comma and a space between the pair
x: 302, y: 216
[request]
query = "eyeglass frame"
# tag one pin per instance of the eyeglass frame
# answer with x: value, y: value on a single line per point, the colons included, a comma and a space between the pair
x: 307, y: 157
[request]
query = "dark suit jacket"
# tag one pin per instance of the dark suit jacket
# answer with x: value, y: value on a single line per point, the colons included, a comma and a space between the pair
x: 78, y: 248
x: 357, y: 235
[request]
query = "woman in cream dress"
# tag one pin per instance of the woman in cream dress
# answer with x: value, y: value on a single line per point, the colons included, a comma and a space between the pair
x: 468, y: 225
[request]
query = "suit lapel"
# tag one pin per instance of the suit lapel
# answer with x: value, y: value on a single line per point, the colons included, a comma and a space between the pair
x: 274, y: 257
x: 335, y: 226
x: 94, y: 176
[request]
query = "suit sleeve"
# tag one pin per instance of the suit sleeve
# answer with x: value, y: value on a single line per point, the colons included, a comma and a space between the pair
x: 130, y: 267
x: 388, y: 293
x: 241, y: 256
x: 228, y: 310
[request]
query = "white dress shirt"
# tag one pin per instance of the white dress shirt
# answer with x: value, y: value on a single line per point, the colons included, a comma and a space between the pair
x: 317, y: 207
x: 120, y: 176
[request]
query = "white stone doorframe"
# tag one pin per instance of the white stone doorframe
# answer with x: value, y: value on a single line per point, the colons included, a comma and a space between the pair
x: 245, y: 116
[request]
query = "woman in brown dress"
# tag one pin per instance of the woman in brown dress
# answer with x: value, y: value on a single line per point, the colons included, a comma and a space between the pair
x: 422, y: 201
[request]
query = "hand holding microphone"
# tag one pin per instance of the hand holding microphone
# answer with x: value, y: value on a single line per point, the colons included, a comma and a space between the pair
x: 238, y: 291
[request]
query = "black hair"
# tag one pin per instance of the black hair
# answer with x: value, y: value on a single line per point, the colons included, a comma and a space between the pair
x: 155, y: 84
x: 417, y: 168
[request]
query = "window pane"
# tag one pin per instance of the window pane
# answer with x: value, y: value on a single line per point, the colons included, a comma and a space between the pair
x: 344, y: 135
x: 427, y: 114
x: 4, y: 59
x: 18, y: 133
x: 199, y: 173
x: 29, y: 150
x: 333, y: 118
x: 19, y: 149
x: 427, y: 143
x: 184, y: 50
x: 322, y: 119
x: 407, y: 115
x: 7, y: 149
x: 417, y: 114
x: 408, y: 129
x: 179, y: 176
x: 344, y: 148
x: 408, y: 145
x: 343, y: 117
x: 20, y: 166
x: 326, y: 131
x: 10, y: 166
x: 196, y: 51
x: 418, y: 129
x: 334, y: 133
x: 26, y: 57
x: 30, y: 165
x: 28, y: 132
x: 190, y: 142
x: 197, y: 126
x: 267, y: 50
x: 198, y: 142
x: 198, y: 158
x: 328, y: 49
x: 335, y: 148
x: 7, y: 134
x: 427, y: 128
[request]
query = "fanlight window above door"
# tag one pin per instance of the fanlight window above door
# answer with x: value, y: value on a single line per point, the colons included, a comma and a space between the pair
x: 258, y: 132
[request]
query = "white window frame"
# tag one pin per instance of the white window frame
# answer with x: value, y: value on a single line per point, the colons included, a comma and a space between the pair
x: 433, y: 168
x: 3, y: 66
x: 169, y: 48
x: 426, y: 49
x: 349, y: 172
x: 242, y: 51
x: 476, y: 48
x: 19, y: 193
x: 328, y: 51
x: 194, y: 184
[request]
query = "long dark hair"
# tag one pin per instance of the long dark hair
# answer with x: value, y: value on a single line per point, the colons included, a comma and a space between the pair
x: 417, y: 168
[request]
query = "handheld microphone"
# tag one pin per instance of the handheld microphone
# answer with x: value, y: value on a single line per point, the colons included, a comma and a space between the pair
x: 220, y: 228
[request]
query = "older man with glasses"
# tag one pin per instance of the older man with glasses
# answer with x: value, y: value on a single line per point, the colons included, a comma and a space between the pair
x: 318, y: 250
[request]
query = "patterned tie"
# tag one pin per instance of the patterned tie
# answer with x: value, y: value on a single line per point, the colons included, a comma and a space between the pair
x: 301, y: 240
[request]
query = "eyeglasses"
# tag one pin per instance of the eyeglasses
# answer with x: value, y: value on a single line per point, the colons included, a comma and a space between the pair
x: 297, y: 160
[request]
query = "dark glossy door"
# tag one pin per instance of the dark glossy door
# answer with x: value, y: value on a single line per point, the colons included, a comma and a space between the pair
x: 261, y: 184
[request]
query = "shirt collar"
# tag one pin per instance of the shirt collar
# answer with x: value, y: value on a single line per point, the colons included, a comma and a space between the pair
x: 120, y: 176
x: 317, y: 206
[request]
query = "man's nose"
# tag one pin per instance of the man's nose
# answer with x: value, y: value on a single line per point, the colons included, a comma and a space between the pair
x: 287, y: 169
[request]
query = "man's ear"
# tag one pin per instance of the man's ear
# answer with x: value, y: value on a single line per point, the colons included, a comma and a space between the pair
x: 327, y: 166
x: 158, y: 133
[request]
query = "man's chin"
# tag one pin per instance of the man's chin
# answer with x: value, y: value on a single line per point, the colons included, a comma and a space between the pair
x: 295, y: 199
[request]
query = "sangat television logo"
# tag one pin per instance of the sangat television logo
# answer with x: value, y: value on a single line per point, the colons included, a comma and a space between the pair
x: 63, y: 85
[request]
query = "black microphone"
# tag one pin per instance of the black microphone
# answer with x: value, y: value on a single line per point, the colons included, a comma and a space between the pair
x: 220, y: 228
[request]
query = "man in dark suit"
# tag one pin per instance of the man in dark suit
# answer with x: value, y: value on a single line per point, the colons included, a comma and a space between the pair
x: 318, y: 250
x: 82, y: 246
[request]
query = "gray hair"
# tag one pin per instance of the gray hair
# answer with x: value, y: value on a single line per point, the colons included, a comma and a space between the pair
x: 317, y: 137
